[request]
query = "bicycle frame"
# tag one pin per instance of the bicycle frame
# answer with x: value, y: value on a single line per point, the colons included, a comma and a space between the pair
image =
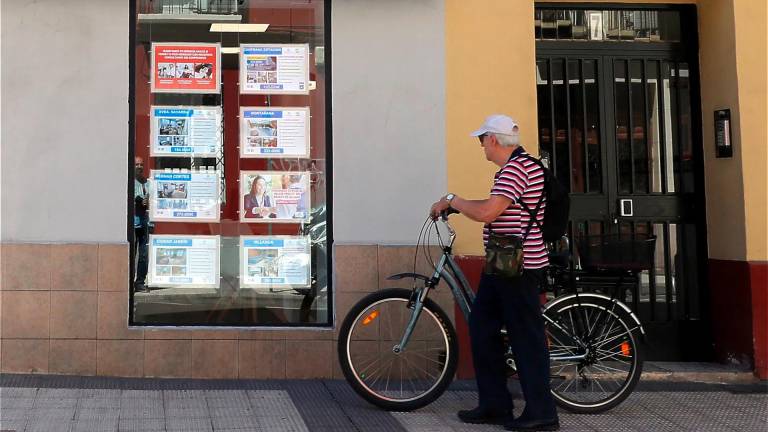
x: 447, y: 269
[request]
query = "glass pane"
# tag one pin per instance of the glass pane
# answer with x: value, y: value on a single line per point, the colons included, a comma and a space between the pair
x: 654, y: 110
x: 594, y: 156
x: 209, y: 273
x: 611, y: 24
x: 537, y: 23
x: 578, y: 168
x: 623, y: 143
x: 560, y: 160
x: 580, y: 25
x: 639, y: 148
x: 669, y: 26
x: 549, y: 24
x: 544, y: 110
x: 564, y: 21
x: 686, y: 139
x: 627, y: 23
x: 669, y: 95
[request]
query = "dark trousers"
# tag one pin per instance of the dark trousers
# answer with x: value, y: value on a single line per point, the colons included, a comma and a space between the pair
x: 513, y: 303
x: 142, y: 252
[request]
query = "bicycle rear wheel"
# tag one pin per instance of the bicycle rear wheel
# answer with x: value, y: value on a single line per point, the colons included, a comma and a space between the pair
x: 394, y: 381
x: 608, y: 363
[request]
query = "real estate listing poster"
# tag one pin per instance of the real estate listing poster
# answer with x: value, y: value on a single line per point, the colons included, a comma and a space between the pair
x: 185, y: 196
x: 271, y: 132
x: 274, y: 197
x: 274, y: 68
x: 193, y: 131
x: 184, y: 261
x: 185, y: 67
x: 275, y: 262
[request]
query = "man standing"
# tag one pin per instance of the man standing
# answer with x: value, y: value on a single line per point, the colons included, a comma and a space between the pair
x: 510, y: 302
x: 141, y: 225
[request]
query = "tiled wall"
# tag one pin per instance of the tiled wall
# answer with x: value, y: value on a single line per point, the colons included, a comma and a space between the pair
x: 64, y: 310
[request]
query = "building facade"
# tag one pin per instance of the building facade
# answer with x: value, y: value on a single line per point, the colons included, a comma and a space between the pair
x: 653, y: 114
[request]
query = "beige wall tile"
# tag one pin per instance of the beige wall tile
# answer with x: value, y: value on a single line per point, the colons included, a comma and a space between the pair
x: 261, y: 359
x: 114, y: 267
x: 121, y: 358
x: 112, y: 317
x: 167, y: 358
x: 174, y: 333
x: 214, y: 334
x: 25, y: 355
x: 25, y: 314
x: 305, y: 359
x: 73, y: 314
x: 319, y: 334
x: 259, y: 334
x: 74, y: 267
x: 356, y: 268
x: 213, y: 359
x: 26, y: 267
x: 72, y: 357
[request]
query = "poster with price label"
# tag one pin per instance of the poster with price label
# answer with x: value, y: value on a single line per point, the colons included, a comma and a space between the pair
x: 185, y: 131
x: 274, y: 132
x: 184, y: 261
x: 185, y: 196
x: 274, y: 69
x: 275, y: 262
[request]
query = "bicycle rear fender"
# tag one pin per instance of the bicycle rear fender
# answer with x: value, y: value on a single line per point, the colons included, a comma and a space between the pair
x: 601, y: 297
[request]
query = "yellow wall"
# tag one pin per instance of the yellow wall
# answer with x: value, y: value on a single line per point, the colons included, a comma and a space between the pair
x: 750, y: 17
x: 490, y: 60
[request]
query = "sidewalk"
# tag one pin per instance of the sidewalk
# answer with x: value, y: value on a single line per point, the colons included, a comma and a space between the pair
x: 64, y: 403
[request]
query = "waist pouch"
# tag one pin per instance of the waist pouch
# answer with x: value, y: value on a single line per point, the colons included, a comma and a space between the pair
x: 503, y: 255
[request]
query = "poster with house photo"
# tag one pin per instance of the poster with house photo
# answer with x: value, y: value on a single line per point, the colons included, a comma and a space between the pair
x: 274, y: 132
x: 275, y: 262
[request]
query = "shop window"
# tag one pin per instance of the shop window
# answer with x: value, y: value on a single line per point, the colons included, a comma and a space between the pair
x: 229, y: 163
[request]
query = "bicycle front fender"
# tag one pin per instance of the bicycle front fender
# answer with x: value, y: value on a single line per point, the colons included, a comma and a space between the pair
x: 399, y: 276
x: 601, y: 297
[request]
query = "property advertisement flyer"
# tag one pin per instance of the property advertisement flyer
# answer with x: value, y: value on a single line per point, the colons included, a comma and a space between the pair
x: 185, y: 196
x: 185, y: 67
x: 274, y: 69
x: 193, y: 131
x: 270, y: 132
x: 184, y: 261
x: 274, y: 197
x: 274, y: 262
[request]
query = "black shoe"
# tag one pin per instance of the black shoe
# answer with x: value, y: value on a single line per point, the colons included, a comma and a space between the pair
x: 485, y: 416
x: 533, y: 425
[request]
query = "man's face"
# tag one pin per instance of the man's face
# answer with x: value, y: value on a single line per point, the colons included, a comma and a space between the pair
x: 486, y: 142
x: 139, y: 166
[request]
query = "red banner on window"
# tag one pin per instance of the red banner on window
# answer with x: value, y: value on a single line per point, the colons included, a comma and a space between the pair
x: 186, y: 68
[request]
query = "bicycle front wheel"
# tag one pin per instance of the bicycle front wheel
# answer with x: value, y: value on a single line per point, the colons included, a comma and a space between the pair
x: 595, y: 360
x: 388, y: 378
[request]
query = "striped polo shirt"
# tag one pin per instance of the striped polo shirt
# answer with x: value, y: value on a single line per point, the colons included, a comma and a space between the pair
x: 521, y: 178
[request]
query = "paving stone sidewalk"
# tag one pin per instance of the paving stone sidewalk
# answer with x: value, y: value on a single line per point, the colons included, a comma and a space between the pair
x: 56, y: 403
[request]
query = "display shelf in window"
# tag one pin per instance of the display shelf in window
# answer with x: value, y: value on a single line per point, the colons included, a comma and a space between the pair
x: 185, y: 196
x: 274, y: 197
x: 179, y: 261
x: 191, y: 131
x: 274, y: 69
x: 275, y: 262
x: 274, y: 132
x: 182, y: 67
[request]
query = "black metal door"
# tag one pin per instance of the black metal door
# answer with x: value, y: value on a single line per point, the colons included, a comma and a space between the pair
x: 619, y: 129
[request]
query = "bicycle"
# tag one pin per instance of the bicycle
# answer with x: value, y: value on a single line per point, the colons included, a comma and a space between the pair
x: 595, y: 357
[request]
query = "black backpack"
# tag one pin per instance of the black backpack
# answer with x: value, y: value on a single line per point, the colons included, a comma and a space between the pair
x: 558, y: 206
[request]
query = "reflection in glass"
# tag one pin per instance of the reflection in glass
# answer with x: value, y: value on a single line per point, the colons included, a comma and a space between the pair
x: 549, y: 24
x: 684, y: 119
x: 537, y: 23
x: 639, y: 148
x: 580, y: 24
x: 614, y: 25
x: 623, y: 143
x: 594, y: 156
x: 654, y: 140
x: 627, y: 25
x: 669, y: 96
x: 560, y: 155
x: 669, y: 26
x: 544, y: 111
x: 564, y: 22
x: 578, y: 170
x: 611, y: 24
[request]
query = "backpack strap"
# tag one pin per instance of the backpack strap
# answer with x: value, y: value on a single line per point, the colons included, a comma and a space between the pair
x: 533, y: 213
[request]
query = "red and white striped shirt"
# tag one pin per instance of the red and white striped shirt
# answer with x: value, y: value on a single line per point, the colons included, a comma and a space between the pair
x: 521, y: 178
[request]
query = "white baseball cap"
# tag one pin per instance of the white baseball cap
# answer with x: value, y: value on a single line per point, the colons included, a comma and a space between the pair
x: 498, y: 124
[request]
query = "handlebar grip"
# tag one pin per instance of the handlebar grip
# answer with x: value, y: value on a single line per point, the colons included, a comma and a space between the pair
x: 449, y: 211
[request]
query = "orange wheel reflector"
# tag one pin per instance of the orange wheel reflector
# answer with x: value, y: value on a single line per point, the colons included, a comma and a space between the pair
x: 625, y: 348
x: 371, y: 316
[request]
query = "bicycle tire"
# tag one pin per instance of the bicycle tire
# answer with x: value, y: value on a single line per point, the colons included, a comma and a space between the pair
x: 451, y: 355
x: 624, y: 319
